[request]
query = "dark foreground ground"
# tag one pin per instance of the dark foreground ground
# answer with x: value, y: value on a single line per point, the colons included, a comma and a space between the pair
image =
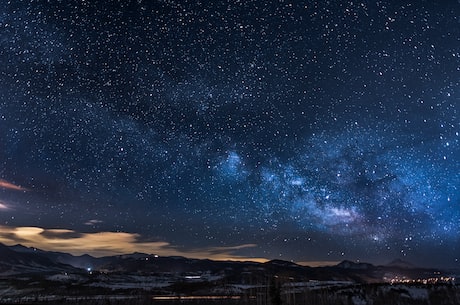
x: 363, y: 294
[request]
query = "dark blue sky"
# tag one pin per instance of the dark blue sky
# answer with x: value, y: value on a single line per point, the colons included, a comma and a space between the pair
x: 301, y: 130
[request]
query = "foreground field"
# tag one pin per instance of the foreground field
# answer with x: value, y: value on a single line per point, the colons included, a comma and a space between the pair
x: 32, y: 291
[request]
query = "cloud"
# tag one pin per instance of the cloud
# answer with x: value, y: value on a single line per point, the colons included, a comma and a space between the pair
x: 4, y: 206
x: 93, y: 222
x: 10, y: 186
x: 110, y: 243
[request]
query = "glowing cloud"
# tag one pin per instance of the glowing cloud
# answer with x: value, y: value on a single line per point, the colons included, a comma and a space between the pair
x: 4, y: 206
x: 93, y: 222
x: 110, y: 243
x: 10, y: 186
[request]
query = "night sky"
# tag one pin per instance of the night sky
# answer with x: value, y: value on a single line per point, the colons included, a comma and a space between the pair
x: 311, y: 131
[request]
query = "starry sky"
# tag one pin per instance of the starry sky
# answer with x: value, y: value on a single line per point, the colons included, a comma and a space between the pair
x: 311, y: 131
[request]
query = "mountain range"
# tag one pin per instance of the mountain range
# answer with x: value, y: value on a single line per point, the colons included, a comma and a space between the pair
x: 23, y: 260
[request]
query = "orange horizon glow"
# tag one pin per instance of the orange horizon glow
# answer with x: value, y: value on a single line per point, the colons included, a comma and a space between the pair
x: 111, y: 243
x: 101, y: 244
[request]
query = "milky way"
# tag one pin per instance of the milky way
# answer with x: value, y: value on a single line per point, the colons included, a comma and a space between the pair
x: 300, y: 130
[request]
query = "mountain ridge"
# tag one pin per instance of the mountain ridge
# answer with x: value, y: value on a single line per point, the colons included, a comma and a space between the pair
x: 19, y: 259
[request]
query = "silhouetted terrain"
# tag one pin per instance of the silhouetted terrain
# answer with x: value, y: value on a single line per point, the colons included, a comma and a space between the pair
x: 33, y: 276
